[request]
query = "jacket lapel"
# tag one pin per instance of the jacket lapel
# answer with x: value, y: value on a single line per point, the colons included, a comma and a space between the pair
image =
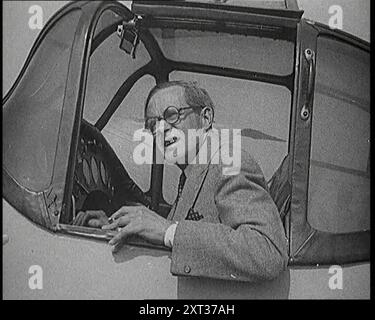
x: 195, y: 174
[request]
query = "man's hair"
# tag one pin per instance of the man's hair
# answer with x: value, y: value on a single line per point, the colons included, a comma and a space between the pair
x: 195, y: 96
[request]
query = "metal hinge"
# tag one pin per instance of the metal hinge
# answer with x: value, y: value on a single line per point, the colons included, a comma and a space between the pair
x: 129, y: 35
x: 52, y: 207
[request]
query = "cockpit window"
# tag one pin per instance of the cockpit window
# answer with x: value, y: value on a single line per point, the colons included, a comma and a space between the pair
x: 260, y: 110
x: 339, y: 185
x: 269, y: 4
x: 109, y: 68
x: 33, y: 111
x: 106, y: 176
x: 236, y: 51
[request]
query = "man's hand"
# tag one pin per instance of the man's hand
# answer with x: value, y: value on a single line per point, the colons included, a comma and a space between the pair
x: 93, y: 219
x: 139, y: 221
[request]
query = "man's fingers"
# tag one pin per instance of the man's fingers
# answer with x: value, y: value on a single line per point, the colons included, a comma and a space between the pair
x: 111, y: 226
x: 83, y: 218
x: 78, y: 218
x: 90, y: 215
x: 120, y: 222
x: 117, y: 247
x: 124, y: 210
x: 119, y: 213
x: 95, y: 223
x: 122, y: 235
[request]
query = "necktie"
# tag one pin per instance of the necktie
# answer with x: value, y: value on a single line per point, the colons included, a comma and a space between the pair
x: 181, y: 184
x: 192, y: 213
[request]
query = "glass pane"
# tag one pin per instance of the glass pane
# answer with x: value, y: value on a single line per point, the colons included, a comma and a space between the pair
x: 343, y: 72
x: 106, y: 20
x: 120, y: 130
x: 260, y: 110
x: 227, y: 50
x: 269, y: 4
x: 32, y: 114
x: 109, y: 67
x: 339, y: 185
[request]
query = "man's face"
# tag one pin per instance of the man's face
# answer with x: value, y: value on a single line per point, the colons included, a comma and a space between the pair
x: 175, y: 145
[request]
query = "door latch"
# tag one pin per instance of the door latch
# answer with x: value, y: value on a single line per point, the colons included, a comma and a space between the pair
x: 306, y: 109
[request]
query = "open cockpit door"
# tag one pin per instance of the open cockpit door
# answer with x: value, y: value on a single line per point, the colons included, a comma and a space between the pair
x: 330, y: 207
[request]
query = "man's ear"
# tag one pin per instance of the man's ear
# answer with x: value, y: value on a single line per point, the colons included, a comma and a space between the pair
x: 207, y: 116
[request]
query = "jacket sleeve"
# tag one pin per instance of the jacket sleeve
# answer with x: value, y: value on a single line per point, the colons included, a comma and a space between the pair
x: 248, y: 245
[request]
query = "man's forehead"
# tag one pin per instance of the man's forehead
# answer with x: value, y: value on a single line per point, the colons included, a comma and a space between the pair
x: 171, y: 96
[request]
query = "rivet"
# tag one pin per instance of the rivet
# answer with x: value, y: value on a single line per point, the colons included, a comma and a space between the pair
x: 187, y: 269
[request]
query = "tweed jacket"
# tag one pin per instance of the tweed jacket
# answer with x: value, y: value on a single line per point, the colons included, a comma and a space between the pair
x: 240, y: 236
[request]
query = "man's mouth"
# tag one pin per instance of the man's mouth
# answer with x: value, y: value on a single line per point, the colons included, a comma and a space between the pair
x: 170, y: 141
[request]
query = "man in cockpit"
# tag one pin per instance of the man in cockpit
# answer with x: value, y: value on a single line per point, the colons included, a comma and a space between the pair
x: 224, y: 224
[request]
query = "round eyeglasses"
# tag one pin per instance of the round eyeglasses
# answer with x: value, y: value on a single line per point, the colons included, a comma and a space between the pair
x: 171, y: 115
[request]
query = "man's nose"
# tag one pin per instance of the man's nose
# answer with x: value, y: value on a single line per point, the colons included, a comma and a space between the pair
x: 163, y: 126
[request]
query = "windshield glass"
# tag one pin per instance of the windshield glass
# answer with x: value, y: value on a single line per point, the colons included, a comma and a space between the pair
x: 33, y: 111
x: 269, y: 4
x: 236, y: 51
